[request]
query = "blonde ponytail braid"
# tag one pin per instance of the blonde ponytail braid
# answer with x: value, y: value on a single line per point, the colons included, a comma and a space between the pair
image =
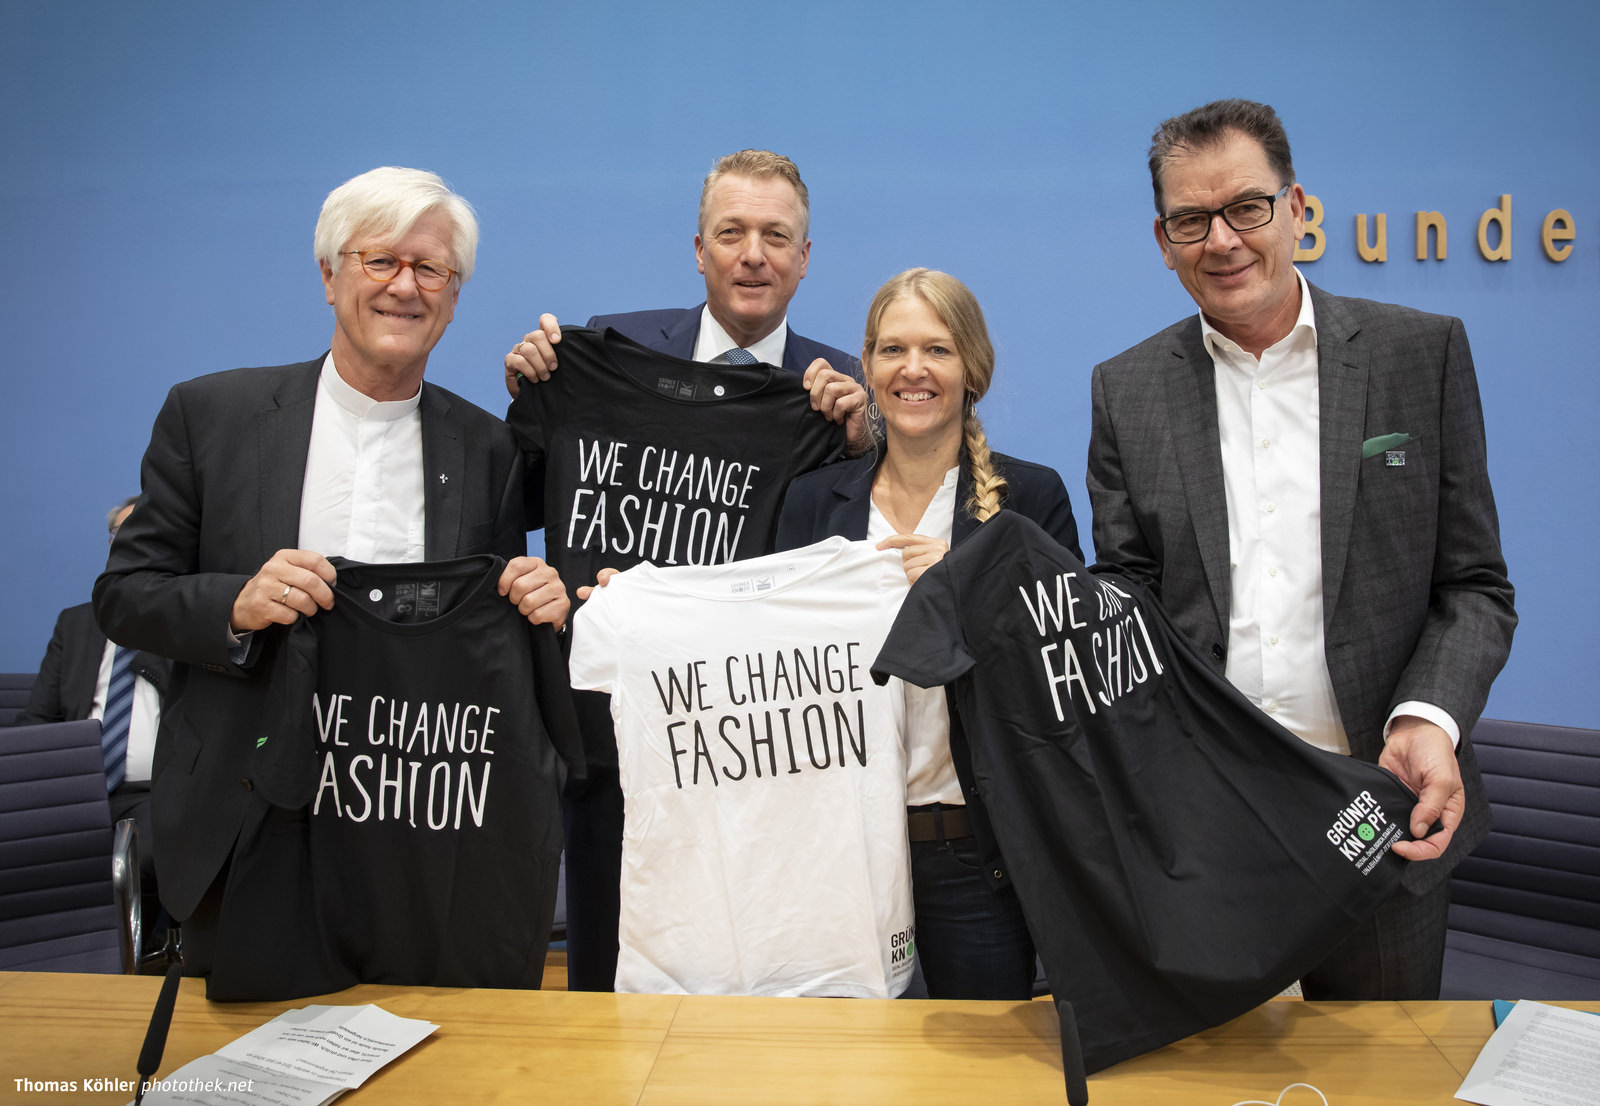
x: 988, y: 485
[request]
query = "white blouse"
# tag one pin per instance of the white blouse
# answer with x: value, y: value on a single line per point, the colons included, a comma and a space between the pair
x: 930, y: 773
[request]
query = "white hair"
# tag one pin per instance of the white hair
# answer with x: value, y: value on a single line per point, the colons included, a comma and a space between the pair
x: 386, y: 203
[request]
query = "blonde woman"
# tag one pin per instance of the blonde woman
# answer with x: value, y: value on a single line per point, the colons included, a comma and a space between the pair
x: 931, y: 481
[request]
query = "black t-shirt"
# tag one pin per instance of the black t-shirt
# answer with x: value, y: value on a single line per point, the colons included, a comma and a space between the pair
x: 645, y: 457
x: 418, y: 740
x: 1180, y: 856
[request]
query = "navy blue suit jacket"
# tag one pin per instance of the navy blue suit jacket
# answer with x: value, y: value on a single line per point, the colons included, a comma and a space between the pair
x: 64, y: 689
x: 674, y: 331
x: 836, y: 500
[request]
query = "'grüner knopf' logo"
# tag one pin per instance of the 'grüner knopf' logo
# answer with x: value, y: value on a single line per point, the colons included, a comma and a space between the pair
x: 1362, y: 832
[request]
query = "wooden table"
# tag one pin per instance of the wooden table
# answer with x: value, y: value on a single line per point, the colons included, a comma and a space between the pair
x: 559, y: 1047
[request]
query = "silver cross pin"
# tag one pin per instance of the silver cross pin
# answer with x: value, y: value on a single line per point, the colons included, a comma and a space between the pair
x: 443, y: 479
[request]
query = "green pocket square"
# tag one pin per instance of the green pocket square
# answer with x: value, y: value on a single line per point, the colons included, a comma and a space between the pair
x: 1374, y: 446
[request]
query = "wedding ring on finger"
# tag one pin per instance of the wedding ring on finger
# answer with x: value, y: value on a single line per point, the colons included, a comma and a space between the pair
x: 284, y: 598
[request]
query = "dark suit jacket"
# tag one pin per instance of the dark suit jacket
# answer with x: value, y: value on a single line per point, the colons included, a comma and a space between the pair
x: 675, y: 330
x: 64, y: 688
x: 221, y: 493
x: 1416, y: 603
x: 837, y: 500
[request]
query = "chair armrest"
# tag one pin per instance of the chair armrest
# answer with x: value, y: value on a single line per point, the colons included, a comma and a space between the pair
x: 125, y: 884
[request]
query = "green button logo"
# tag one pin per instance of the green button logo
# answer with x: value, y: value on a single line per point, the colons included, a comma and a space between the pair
x: 1366, y: 832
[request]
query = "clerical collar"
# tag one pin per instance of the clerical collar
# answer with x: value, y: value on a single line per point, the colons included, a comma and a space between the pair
x: 361, y: 405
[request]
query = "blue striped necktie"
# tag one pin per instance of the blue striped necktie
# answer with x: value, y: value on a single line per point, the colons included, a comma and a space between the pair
x: 740, y: 356
x: 114, y: 722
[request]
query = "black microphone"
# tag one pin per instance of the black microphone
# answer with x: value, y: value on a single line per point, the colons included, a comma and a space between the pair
x: 155, y: 1038
x: 1072, y: 1056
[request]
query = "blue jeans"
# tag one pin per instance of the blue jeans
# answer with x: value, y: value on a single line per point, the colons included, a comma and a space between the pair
x: 972, y: 941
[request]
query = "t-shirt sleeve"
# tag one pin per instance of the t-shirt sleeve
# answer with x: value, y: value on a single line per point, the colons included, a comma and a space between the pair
x: 552, y: 684
x: 525, y: 417
x: 592, y: 665
x: 283, y: 759
x: 817, y: 440
x: 926, y: 645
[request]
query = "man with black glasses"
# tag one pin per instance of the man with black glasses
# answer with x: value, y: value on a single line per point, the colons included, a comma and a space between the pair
x: 255, y: 478
x: 1303, y: 480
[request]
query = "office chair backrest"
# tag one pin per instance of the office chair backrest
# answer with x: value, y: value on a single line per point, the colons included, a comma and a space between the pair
x: 1525, y: 906
x: 57, y: 909
x: 14, y: 689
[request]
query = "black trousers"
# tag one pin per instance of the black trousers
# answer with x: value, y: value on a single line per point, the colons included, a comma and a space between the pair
x: 593, y: 823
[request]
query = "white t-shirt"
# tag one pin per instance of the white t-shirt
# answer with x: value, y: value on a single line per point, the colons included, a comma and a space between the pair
x: 763, y: 773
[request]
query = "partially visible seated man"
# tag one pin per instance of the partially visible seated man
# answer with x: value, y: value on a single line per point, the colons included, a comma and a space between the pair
x: 85, y: 676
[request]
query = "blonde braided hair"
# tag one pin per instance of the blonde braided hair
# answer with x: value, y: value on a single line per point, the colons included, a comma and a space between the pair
x: 988, y: 485
x: 958, y: 309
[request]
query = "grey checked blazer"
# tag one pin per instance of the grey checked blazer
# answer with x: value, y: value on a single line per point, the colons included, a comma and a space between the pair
x: 1416, y: 602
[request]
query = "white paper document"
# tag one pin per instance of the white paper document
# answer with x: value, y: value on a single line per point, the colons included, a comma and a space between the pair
x: 302, y: 1057
x: 1541, y: 1055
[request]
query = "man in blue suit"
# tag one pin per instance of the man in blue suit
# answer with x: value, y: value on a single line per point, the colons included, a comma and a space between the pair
x: 752, y: 245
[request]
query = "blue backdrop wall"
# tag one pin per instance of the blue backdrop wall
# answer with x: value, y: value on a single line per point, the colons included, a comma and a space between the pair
x: 164, y: 163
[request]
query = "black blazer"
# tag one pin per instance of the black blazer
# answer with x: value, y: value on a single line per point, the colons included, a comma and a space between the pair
x: 64, y: 688
x: 221, y: 484
x: 836, y: 499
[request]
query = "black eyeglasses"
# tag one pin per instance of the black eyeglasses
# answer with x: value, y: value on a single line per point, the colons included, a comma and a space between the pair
x: 1251, y: 213
x: 383, y: 266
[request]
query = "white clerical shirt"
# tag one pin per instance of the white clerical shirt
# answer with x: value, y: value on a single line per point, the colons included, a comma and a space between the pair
x: 362, y: 494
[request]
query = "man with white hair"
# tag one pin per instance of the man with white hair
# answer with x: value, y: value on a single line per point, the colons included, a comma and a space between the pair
x: 254, y: 478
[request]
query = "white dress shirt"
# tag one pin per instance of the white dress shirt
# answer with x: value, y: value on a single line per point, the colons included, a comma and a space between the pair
x: 713, y: 342
x: 1269, y: 422
x: 142, y: 722
x: 930, y: 771
x: 362, y: 495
